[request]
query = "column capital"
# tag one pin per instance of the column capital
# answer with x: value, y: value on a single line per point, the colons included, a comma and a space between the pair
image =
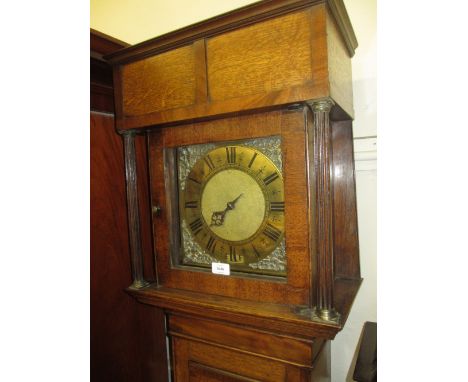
x: 321, y: 105
x: 127, y: 133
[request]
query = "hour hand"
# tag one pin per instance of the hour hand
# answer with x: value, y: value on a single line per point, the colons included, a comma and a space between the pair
x: 217, y: 219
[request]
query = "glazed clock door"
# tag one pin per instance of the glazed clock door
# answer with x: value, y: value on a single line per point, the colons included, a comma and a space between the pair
x: 232, y: 191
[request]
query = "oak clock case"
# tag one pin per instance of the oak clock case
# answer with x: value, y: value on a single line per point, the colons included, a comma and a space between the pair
x: 248, y: 118
x: 231, y: 205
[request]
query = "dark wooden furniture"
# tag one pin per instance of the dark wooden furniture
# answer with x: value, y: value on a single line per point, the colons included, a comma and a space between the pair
x: 127, y: 341
x: 274, y: 67
x: 366, y: 364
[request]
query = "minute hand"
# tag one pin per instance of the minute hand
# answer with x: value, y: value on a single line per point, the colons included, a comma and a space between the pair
x: 231, y: 205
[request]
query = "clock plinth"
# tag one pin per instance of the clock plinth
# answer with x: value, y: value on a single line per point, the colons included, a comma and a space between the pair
x: 250, y: 163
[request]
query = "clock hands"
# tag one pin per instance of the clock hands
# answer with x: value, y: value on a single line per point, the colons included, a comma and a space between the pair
x: 231, y: 205
x: 217, y: 218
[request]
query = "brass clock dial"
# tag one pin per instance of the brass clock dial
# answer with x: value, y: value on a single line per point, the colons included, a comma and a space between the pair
x: 233, y: 204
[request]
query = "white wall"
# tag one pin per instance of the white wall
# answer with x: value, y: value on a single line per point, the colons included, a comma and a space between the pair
x: 134, y: 22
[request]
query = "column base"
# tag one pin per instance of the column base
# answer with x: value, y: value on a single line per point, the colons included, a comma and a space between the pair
x: 326, y: 315
x: 139, y: 284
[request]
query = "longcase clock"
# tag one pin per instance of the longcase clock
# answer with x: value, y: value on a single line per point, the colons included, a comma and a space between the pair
x: 248, y: 119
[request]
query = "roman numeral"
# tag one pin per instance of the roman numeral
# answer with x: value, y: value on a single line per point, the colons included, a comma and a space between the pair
x: 196, y: 226
x: 231, y: 154
x: 233, y: 257
x: 232, y: 254
x: 272, y: 232
x: 256, y: 251
x: 252, y: 160
x: 211, y: 245
x: 209, y: 162
x: 277, y: 206
x: 270, y: 178
x: 193, y: 204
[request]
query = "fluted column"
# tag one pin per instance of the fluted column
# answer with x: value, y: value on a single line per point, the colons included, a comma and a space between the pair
x: 133, y: 210
x: 324, y: 210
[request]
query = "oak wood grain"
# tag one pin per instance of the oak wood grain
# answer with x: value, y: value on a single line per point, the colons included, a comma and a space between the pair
x: 278, y: 318
x: 246, y: 61
x: 345, y: 239
x: 289, y: 58
x: 339, y: 68
x: 235, y: 77
x: 165, y: 81
x: 225, y: 360
x: 201, y: 82
x: 250, y: 14
x: 260, y: 342
x: 203, y: 373
x: 224, y: 108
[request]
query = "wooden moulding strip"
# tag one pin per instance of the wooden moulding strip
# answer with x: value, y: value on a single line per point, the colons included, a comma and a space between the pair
x: 237, y: 18
x: 282, y: 319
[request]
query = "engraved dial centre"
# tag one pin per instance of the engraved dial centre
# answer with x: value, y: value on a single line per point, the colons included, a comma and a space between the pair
x: 240, y: 220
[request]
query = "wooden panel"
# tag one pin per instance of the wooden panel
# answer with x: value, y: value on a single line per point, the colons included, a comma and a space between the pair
x: 161, y: 82
x: 102, y: 98
x: 224, y: 361
x: 201, y: 373
x: 318, y: 43
x: 114, y: 347
x: 291, y: 126
x: 282, y: 319
x: 205, y: 111
x: 262, y: 343
x: 244, y: 72
x: 261, y: 58
x: 119, y: 351
x: 247, y: 15
x: 339, y: 68
x: 346, y: 244
x: 150, y: 331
